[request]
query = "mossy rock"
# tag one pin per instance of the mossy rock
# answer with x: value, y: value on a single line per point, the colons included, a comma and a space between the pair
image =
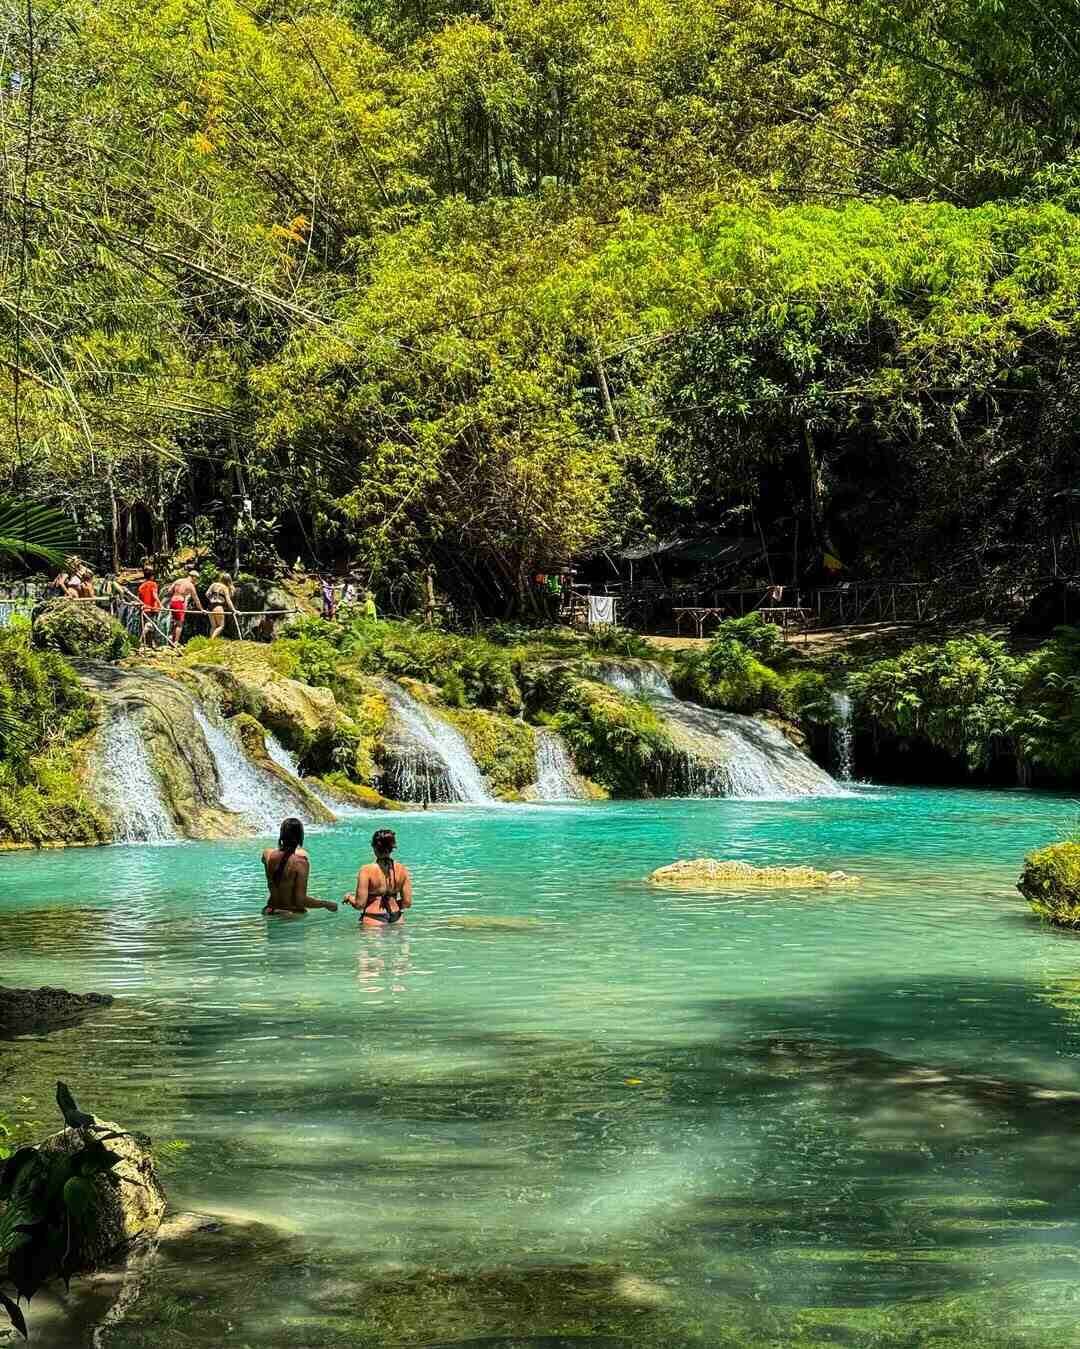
x: 707, y: 873
x: 339, y: 787
x: 1050, y: 882
x: 504, y: 748
x: 79, y: 629
x: 253, y: 738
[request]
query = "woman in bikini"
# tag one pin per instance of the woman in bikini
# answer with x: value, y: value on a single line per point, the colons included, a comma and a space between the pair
x: 219, y: 598
x: 383, y: 887
x: 287, y: 868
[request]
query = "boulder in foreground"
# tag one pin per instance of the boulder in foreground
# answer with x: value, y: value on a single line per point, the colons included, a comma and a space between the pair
x: 707, y: 873
x: 121, y: 1214
x: 1050, y: 882
x: 79, y: 629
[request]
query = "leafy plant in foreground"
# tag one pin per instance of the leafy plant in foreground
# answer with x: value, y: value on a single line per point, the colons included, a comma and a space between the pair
x: 49, y: 1199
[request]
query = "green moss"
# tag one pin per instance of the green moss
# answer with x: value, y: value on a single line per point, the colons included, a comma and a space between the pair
x: 1050, y: 882
x: 504, y: 749
x: 621, y: 743
x: 45, y: 716
x: 80, y: 629
x: 338, y: 785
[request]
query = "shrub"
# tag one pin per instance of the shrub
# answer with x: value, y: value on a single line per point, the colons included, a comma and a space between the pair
x: 757, y: 634
x: 1050, y: 882
x: 726, y: 674
x: 960, y: 696
x: 620, y: 743
x: 1050, y: 722
x: 614, y: 641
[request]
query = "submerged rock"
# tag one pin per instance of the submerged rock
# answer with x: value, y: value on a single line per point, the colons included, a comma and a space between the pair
x: 34, y: 1008
x: 1050, y: 882
x: 707, y: 873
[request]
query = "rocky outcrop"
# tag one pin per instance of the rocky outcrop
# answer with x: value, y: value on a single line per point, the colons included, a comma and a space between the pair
x: 347, y: 793
x: 1050, y: 882
x: 23, y: 1009
x: 163, y: 714
x: 79, y: 629
x: 303, y: 717
x: 707, y: 873
x: 267, y: 606
x: 120, y: 1215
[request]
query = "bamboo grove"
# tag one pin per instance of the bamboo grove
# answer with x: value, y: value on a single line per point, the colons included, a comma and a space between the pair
x: 488, y: 285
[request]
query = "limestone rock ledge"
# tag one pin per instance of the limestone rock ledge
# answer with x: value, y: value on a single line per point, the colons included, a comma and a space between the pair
x: 707, y: 873
x: 1050, y: 882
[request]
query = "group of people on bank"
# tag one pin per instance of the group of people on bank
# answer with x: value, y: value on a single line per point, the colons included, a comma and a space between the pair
x: 148, y: 608
x: 383, y: 887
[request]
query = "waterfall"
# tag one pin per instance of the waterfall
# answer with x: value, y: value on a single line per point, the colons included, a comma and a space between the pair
x: 556, y: 779
x: 427, y: 758
x: 281, y: 756
x: 718, y: 753
x: 638, y: 680
x: 262, y: 801
x: 843, y: 736
x: 726, y: 754
x: 129, y: 789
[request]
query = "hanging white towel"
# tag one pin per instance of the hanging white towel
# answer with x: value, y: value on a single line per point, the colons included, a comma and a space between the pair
x: 601, y: 610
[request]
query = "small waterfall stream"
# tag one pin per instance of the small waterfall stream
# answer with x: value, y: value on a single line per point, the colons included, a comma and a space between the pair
x: 720, y: 753
x: 263, y: 802
x: 129, y: 789
x: 281, y: 756
x: 428, y: 759
x: 843, y: 736
x: 556, y: 779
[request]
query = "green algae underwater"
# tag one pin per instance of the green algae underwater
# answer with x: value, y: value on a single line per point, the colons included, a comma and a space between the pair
x: 615, y: 1116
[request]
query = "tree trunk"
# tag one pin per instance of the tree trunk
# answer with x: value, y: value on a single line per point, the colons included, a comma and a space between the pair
x: 605, y: 392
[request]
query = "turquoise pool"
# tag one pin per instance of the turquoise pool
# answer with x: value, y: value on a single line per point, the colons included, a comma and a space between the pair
x: 775, y: 1118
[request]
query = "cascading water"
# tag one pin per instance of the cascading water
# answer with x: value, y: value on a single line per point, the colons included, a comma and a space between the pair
x: 428, y: 759
x: 639, y: 681
x: 556, y: 779
x: 281, y: 756
x: 129, y: 790
x: 843, y: 736
x: 263, y: 802
x: 719, y: 753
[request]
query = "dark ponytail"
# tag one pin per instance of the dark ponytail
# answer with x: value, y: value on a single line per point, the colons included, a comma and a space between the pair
x: 289, y: 839
x: 383, y: 843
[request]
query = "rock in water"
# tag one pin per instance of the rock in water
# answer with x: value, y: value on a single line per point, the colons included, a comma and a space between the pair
x: 1050, y: 882
x: 707, y: 873
x: 123, y: 1214
x: 485, y: 922
x: 26, y: 1008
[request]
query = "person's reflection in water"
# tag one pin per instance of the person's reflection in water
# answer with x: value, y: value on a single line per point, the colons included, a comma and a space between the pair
x: 382, y: 972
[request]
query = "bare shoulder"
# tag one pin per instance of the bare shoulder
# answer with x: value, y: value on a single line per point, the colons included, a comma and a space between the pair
x: 400, y: 866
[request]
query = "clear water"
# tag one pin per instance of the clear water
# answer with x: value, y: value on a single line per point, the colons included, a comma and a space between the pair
x: 767, y: 1104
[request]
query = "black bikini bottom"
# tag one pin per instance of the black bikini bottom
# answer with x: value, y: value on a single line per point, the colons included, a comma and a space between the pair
x: 383, y: 917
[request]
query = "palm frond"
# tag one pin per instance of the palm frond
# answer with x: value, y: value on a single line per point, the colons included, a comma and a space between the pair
x: 28, y: 529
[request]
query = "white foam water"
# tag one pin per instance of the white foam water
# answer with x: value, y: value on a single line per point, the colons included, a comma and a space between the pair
x: 129, y: 790
x: 434, y: 762
x: 843, y: 736
x: 556, y: 778
x: 262, y: 801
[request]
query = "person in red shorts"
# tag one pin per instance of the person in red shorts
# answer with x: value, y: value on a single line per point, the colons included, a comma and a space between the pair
x: 150, y: 602
x: 182, y: 592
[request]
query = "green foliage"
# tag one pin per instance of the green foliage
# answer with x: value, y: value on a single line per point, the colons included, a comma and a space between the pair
x: 961, y: 696
x: 29, y: 530
x: 618, y: 742
x: 614, y: 641
x: 44, y: 714
x: 726, y: 674
x: 478, y: 672
x: 1050, y: 882
x: 1049, y: 725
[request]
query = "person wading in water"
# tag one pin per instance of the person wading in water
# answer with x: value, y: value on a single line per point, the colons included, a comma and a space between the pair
x: 383, y: 887
x: 287, y: 868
